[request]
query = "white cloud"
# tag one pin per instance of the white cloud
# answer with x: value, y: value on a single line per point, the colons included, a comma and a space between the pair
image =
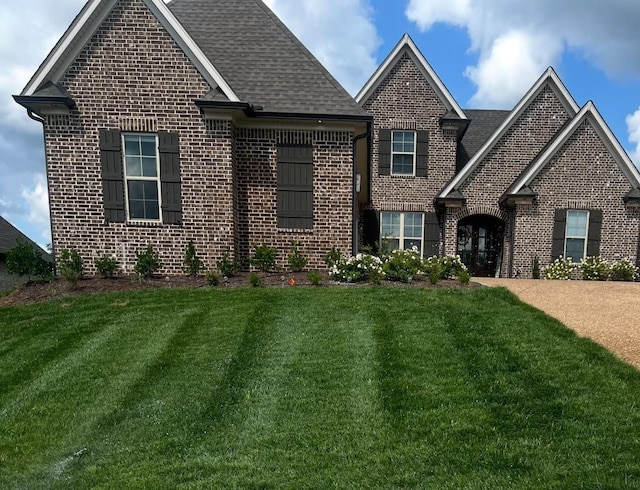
x: 523, y: 37
x: 37, y: 200
x: 343, y: 36
x: 633, y: 126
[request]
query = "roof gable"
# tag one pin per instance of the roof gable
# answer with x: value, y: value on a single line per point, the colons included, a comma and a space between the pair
x: 549, y: 78
x: 10, y: 235
x: 87, y: 23
x: 406, y: 45
x: 590, y: 113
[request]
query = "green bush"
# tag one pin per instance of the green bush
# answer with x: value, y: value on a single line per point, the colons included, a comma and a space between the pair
x: 70, y: 266
x: 228, y: 265
x: 535, y: 273
x: 452, y: 266
x: 356, y: 269
x: 624, y: 270
x: 25, y: 259
x: 192, y: 263
x: 106, y: 266
x: 403, y: 265
x: 297, y: 261
x: 464, y: 277
x: 595, y: 269
x: 255, y: 280
x: 332, y: 257
x: 560, y: 269
x: 213, y: 278
x: 147, y: 262
x: 264, y: 258
x: 314, y: 278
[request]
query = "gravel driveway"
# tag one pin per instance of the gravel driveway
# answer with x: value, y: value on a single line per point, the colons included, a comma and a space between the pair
x: 606, y: 312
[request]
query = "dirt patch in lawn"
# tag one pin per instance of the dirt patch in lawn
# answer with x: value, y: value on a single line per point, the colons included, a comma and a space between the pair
x: 606, y: 312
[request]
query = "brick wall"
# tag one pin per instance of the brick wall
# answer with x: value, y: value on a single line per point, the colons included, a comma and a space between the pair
x: 583, y: 175
x: 133, y: 77
x: 405, y: 100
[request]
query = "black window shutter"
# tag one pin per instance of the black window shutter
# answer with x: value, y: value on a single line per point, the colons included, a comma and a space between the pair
x: 431, y: 235
x: 559, y: 227
x: 295, y: 186
x: 169, y: 152
x: 422, y: 153
x: 384, y: 152
x: 370, y: 227
x: 595, y: 231
x: 112, y: 175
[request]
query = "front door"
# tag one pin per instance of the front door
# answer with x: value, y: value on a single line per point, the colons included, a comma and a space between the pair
x: 480, y: 244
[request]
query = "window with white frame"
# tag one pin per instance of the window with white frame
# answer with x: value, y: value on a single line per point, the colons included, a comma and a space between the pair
x: 402, y: 230
x: 403, y: 153
x: 141, y: 168
x: 576, y: 233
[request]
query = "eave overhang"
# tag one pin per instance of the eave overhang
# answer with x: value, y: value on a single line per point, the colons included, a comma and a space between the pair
x: 455, y: 200
x: 46, y: 105
x: 526, y: 196
x: 632, y: 198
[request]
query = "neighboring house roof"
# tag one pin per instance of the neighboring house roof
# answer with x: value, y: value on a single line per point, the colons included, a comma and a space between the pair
x: 483, y: 123
x: 239, y: 47
x: 590, y: 113
x: 10, y: 235
x: 548, y: 78
x: 261, y: 59
x: 406, y: 45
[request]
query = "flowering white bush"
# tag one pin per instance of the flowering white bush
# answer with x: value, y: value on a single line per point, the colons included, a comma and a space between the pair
x: 359, y: 268
x: 595, y: 269
x: 624, y: 270
x: 403, y: 265
x: 561, y: 269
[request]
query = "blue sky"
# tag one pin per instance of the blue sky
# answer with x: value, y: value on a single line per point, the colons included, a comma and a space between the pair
x: 487, y: 52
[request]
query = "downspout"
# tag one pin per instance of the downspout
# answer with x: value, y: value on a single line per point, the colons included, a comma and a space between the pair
x: 354, y: 212
x: 42, y: 121
x: 512, y: 232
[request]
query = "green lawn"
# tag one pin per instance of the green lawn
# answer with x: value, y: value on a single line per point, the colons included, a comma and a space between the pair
x: 310, y: 388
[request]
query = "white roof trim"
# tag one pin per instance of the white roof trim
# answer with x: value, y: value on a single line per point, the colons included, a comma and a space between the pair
x: 383, y: 70
x: 613, y: 145
x: 87, y: 23
x: 549, y: 76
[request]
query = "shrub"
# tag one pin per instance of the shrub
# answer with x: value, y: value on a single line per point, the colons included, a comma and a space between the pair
x: 192, y: 263
x: 213, y: 278
x: 624, y: 270
x: 332, y: 257
x: 436, y: 272
x: 560, y: 269
x: 297, y: 262
x: 464, y: 277
x: 452, y: 266
x: 147, y: 262
x: 358, y: 268
x: 595, y: 269
x: 314, y: 278
x: 255, y: 280
x: 264, y: 258
x: 70, y: 266
x: 535, y: 274
x: 25, y: 259
x: 228, y: 265
x: 403, y: 265
x: 106, y: 266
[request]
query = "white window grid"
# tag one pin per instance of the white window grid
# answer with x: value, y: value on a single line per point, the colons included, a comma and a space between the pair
x: 400, y: 145
x: 402, y: 219
x: 128, y: 178
x: 575, y: 233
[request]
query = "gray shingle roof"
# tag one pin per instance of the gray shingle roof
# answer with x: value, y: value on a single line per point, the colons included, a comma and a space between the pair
x: 483, y: 124
x: 9, y: 236
x: 262, y: 61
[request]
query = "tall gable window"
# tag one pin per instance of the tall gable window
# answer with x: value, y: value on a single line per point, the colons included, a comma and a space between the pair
x: 141, y: 177
x: 576, y: 233
x: 402, y: 230
x: 141, y: 174
x: 295, y: 186
x: 403, y: 153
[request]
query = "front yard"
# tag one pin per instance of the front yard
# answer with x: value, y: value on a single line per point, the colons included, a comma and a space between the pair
x: 368, y: 387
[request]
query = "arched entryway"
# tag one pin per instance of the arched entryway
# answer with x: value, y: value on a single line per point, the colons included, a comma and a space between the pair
x: 479, y: 244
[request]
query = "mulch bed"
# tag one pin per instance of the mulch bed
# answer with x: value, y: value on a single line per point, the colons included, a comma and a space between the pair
x: 37, y: 291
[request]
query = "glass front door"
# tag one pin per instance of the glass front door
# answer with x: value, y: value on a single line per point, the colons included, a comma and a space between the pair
x: 480, y: 244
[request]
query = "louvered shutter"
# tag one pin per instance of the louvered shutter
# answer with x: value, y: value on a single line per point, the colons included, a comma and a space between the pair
x: 112, y: 176
x: 595, y: 231
x: 559, y: 228
x: 295, y: 186
x: 384, y: 152
x: 431, y: 235
x: 422, y: 153
x: 169, y: 152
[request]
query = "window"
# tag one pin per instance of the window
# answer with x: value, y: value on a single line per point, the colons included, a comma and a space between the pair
x: 295, y: 186
x: 576, y: 234
x: 403, y: 152
x: 402, y: 230
x: 141, y: 169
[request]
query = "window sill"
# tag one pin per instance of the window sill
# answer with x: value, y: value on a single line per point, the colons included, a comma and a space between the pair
x: 299, y: 231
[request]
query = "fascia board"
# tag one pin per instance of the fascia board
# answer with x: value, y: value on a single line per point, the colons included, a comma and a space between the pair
x: 556, y: 84
x: 427, y: 71
x: 87, y: 23
x: 589, y: 111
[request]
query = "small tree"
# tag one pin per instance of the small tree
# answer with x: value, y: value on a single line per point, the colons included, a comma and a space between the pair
x: 297, y: 261
x: 25, y: 259
x: 106, y: 266
x: 192, y: 263
x: 228, y: 265
x: 70, y: 266
x: 264, y: 258
x: 147, y: 262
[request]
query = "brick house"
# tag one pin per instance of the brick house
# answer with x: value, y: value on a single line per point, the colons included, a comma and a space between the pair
x: 209, y: 121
